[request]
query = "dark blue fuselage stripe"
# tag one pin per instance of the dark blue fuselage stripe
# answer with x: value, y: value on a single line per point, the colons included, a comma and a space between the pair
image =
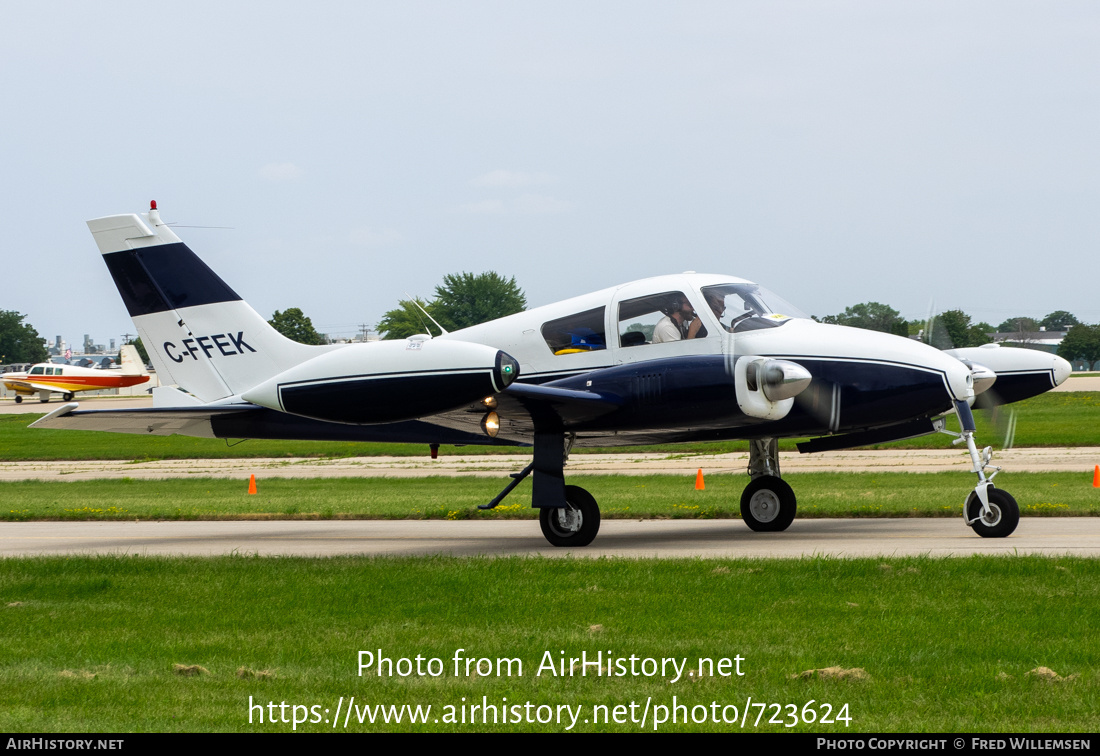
x: 165, y: 277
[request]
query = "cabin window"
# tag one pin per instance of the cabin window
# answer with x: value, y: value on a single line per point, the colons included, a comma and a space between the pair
x: 639, y: 319
x: 37, y: 370
x: 574, y: 334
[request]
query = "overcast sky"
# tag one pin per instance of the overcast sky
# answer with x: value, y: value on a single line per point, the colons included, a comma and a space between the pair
x: 836, y: 152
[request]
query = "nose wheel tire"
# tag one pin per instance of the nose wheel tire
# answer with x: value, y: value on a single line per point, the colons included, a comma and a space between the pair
x: 768, y: 504
x: 573, y: 525
x: 1003, y: 517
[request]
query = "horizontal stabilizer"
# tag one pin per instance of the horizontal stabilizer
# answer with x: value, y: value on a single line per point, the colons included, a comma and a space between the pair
x: 184, y: 421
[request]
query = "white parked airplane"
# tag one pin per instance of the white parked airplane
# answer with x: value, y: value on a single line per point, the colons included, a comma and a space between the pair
x: 675, y: 358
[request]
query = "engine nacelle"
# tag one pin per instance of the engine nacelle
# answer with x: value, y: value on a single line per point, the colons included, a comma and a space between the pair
x: 1019, y: 373
x: 388, y: 381
x: 766, y: 388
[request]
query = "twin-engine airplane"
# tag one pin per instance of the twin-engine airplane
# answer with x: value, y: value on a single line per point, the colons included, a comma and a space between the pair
x: 676, y: 358
x: 47, y: 378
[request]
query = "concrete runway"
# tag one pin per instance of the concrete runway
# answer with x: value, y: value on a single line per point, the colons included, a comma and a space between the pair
x: 618, y: 538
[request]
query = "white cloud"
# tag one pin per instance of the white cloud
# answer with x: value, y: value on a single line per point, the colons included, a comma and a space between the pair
x: 512, y: 179
x: 280, y: 172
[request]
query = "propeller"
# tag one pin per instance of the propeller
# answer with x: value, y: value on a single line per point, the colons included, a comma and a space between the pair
x: 989, y: 403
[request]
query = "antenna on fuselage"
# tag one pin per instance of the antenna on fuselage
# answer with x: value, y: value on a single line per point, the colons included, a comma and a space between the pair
x: 429, y: 317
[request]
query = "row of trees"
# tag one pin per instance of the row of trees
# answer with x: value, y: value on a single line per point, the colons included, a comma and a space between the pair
x: 1059, y: 320
x: 952, y: 328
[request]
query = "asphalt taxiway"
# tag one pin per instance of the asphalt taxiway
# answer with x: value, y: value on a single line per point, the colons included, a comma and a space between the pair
x: 835, y: 538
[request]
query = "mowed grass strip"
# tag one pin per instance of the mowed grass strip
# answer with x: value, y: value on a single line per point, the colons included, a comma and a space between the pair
x: 1053, y: 419
x: 819, y: 495
x: 122, y: 644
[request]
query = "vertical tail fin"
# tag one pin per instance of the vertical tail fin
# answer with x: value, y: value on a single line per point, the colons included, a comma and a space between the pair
x: 130, y: 360
x: 198, y: 332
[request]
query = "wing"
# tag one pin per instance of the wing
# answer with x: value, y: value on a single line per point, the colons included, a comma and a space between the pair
x: 523, y: 407
x: 22, y: 385
x: 185, y: 421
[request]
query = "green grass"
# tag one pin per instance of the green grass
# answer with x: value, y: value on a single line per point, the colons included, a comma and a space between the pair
x: 1053, y: 419
x: 669, y: 496
x: 946, y: 644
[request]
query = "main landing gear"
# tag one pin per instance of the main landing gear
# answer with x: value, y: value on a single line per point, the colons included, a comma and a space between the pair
x: 768, y: 503
x: 568, y: 515
x: 575, y: 524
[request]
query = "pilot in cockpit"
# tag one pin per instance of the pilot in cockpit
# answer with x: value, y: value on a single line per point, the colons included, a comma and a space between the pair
x: 717, y: 305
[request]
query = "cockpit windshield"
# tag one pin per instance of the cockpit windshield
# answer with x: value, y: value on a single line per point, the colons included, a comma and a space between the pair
x: 744, y: 306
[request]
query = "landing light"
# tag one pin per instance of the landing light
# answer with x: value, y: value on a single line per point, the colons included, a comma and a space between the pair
x: 491, y: 424
x: 490, y: 402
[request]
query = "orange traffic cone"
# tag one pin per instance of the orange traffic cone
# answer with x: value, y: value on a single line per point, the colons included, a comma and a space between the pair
x: 252, y: 484
x: 1096, y: 477
x: 700, y: 486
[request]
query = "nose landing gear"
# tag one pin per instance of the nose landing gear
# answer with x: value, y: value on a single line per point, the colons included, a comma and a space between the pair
x: 991, y: 512
x: 997, y: 519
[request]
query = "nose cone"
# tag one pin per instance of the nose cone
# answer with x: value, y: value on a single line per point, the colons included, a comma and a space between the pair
x: 1062, y: 370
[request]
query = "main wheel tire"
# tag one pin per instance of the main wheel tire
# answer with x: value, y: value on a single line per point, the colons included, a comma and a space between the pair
x: 67, y: 396
x: 1004, y: 514
x: 768, y: 504
x: 575, y: 524
x: 18, y: 399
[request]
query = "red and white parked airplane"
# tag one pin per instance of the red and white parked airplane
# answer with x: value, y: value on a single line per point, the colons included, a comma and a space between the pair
x: 47, y: 378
